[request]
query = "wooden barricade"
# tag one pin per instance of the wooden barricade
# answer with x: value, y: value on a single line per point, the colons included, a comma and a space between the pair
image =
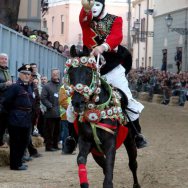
x: 157, y: 98
x: 143, y: 96
x: 134, y: 93
x: 4, y: 157
x: 174, y: 101
x: 186, y: 105
x: 38, y: 141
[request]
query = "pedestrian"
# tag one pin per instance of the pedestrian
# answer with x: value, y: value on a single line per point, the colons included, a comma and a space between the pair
x: 164, y: 61
x: 35, y: 71
x: 50, y: 99
x: 178, y: 59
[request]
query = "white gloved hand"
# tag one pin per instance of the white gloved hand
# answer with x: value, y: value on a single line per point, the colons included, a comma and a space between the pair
x: 87, y: 4
x: 98, y: 50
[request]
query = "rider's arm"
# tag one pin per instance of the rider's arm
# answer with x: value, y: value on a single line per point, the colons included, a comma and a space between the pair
x: 85, y: 18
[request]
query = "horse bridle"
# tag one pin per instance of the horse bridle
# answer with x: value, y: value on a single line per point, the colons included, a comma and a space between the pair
x: 85, y: 90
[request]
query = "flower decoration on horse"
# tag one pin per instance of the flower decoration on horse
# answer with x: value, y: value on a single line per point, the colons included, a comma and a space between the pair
x: 94, y: 111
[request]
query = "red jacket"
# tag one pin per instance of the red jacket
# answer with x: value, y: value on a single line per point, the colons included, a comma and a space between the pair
x: 96, y: 32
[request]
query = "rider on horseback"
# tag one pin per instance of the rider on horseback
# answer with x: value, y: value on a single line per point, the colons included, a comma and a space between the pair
x: 102, y: 33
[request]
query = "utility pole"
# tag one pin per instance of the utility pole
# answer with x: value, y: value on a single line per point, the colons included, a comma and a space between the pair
x: 186, y: 41
x: 147, y: 26
x: 139, y: 35
x: 129, y: 26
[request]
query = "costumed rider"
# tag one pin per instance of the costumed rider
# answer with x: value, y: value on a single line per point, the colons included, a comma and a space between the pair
x: 102, y: 33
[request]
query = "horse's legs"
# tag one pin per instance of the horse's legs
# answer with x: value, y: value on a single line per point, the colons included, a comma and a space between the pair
x: 84, y: 149
x: 132, y: 154
x: 100, y: 160
x: 110, y: 152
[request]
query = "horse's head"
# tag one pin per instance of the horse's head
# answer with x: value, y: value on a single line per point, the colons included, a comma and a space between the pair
x: 81, y: 77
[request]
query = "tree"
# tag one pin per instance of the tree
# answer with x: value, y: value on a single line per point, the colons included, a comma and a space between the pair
x: 9, y: 10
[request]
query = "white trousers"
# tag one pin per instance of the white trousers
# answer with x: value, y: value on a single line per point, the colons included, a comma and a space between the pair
x: 116, y: 77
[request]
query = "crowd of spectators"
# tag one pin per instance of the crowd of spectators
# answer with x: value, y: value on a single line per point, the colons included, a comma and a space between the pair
x: 46, y: 108
x: 155, y: 81
x: 42, y: 38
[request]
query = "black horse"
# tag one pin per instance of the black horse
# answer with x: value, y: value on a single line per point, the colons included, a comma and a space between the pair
x: 98, y: 122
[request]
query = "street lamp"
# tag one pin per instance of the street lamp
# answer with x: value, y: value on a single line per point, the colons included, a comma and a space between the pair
x: 169, y: 20
x: 137, y: 24
x: 135, y: 31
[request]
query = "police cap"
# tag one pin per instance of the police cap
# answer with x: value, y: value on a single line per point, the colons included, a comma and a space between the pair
x: 25, y: 69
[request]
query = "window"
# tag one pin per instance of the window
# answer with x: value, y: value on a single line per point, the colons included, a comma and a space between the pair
x: 62, y: 24
x: 44, y: 23
x: 142, y: 61
x: 143, y: 31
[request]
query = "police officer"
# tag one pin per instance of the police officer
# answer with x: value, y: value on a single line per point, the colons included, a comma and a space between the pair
x: 17, y: 100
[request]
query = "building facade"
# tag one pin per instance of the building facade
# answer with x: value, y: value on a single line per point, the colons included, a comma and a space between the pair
x: 30, y: 13
x: 142, y: 33
x: 173, y: 38
x: 62, y: 20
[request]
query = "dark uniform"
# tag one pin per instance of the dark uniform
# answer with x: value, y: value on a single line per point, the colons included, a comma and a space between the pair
x: 17, y: 100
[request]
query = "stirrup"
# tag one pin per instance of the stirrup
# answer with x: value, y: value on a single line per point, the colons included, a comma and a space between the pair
x: 140, y: 141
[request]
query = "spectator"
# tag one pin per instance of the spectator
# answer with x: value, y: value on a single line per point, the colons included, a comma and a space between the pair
x: 18, y: 102
x: 178, y: 59
x: 164, y: 61
x: 5, y: 83
x: 44, y: 42
x: 63, y: 103
x: 18, y: 28
x: 36, y: 105
x: 56, y: 45
x: 44, y: 80
x: 33, y: 37
x: 49, y: 98
x: 60, y: 49
x: 49, y: 44
x: 26, y: 31
x: 35, y: 71
x: 41, y: 121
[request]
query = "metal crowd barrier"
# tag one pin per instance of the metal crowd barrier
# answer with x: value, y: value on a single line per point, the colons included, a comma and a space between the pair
x: 21, y: 50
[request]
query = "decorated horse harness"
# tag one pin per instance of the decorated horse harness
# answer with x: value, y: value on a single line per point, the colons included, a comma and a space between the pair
x: 94, y: 113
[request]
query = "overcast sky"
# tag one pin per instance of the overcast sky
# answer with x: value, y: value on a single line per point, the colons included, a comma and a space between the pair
x: 116, y: 1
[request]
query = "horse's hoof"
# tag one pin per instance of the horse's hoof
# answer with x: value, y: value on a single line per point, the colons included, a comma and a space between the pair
x: 84, y: 185
x: 108, y: 186
x: 136, y: 185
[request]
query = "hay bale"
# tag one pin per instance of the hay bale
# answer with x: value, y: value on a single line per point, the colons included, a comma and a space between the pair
x: 134, y: 93
x: 38, y: 141
x: 174, y: 101
x: 143, y: 96
x: 157, y: 98
x: 186, y: 105
x: 4, y: 157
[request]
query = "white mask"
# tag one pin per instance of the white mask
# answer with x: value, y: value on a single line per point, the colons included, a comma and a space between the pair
x: 96, y: 9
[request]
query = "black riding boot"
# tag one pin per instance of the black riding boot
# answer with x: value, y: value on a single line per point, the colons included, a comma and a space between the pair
x: 140, y: 140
